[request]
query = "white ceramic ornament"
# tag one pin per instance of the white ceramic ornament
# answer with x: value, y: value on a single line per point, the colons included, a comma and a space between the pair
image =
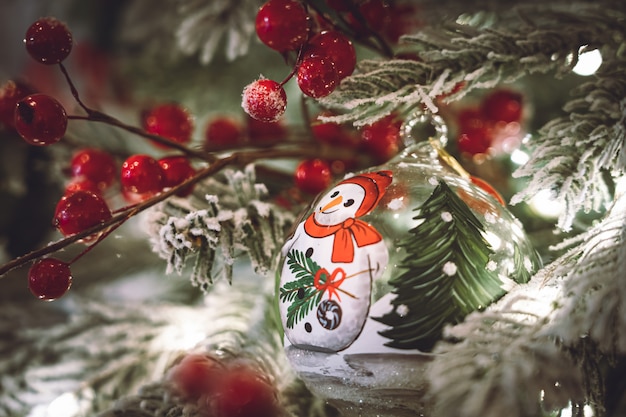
x: 330, y: 264
x: 379, y: 264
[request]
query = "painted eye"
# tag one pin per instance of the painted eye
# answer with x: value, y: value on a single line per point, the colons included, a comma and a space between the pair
x: 348, y: 203
x: 335, y: 194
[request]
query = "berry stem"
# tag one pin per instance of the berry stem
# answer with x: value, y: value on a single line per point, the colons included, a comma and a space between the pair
x: 73, y: 89
x: 96, y: 116
x: 238, y: 158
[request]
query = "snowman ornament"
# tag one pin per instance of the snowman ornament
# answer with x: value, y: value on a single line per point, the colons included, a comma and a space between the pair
x: 329, y: 265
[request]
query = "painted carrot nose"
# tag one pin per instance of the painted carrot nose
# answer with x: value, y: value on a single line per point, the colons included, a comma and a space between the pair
x: 333, y: 203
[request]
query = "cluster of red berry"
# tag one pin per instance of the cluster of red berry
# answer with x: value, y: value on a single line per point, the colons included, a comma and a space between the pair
x: 485, y: 128
x: 224, y: 388
x: 41, y: 120
x: 323, y: 58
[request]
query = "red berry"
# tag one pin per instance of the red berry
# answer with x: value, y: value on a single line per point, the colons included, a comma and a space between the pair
x: 260, y: 132
x: 222, y: 132
x: 317, y: 76
x: 82, y: 183
x: 48, y: 40
x: 177, y: 169
x: 333, y: 134
x: 10, y: 93
x: 169, y: 120
x: 382, y: 139
x: 335, y: 47
x: 502, y: 106
x: 95, y: 165
x: 374, y: 13
x: 40, y: 119
x: 49, y: 278
x: 244, y: 392
x: 339, y: 5
x: 475, y: 132
x: 141, y: 175
x: 79, y: 211
x: 282, y: 25
x: 264, y: 100
x: 195, y: 376
x: 313, y: 176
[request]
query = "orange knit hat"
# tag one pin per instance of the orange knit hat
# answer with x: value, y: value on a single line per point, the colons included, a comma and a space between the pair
x: 374, y: 184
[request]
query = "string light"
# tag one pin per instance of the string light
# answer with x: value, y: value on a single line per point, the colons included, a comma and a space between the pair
x: 588, y: 62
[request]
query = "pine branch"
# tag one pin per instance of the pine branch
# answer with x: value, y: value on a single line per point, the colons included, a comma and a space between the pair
x: 578, y: 155
x: 479, y: 57
x: 232, y: 220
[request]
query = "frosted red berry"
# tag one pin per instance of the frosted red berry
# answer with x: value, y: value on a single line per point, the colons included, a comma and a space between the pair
x: 177, y: 169
x: 79, y: 211
x: 48, y: 40
x: 282, y: 25
x: 313, y: 176
x: 169, y: 120
x: 142, y: 175
x: 335, y: 47
x: 264, y: 100
x: 317, y: 76
x: 10, y: 93
x: 94, y: 165
x: 502, y: 105
x: 382, y: 139
x: 40, y: 119
x: 222, y: 132
x: 49, y: 278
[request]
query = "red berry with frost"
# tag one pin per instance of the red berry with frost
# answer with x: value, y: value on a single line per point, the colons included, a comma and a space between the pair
x: 475, y: 132
x: 177, y: 169
x: 195, y: 376
x: 49, y: 278
x: 10, y: 93
x: 264, y: 100
x: 40, y: 119
x: 80, y: 211
x: 141, y: 175
x: 335, y: 47
x: 94, y: 165
x: 48, y: 40
x: 222, y: 132
x: 313, y: 176
x: 171, y: 121
x: 317, y: 76
x: 382, y: 139
x: 502, y: 106
x: 282, y: 25
x: 245, y: 392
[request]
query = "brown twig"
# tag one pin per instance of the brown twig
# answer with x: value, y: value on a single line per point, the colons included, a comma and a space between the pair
x: 237, y: 158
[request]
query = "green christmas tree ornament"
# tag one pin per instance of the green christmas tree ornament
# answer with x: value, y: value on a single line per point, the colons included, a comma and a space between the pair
x: 380, y: 263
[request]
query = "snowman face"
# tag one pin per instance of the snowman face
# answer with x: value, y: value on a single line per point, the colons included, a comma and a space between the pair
x: 339, y: 204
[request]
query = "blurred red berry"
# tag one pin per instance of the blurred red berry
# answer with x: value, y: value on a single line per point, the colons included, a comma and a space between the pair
x: 171, y: 121
x: 282, y: 25
x: 95, y: 165
x: 313, y: 176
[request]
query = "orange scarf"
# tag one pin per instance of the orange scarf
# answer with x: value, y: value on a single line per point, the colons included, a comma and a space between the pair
x: 343, y: 249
